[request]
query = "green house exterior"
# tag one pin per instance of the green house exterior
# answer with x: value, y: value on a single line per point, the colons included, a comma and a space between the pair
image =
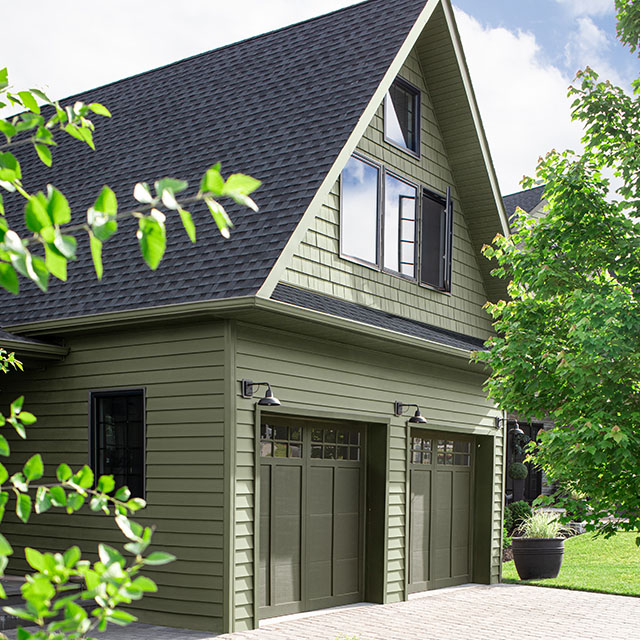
x: 329, y: 498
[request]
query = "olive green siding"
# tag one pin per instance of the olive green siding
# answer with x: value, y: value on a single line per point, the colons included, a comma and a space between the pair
x: 181, y: 368
x: 317, y: 377
x: 317, y: 264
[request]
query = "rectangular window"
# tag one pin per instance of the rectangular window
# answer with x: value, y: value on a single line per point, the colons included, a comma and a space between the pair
x: 359, y: 202
x: 399, y: 226
x: 118, y: 438
x: 402, y: 116
x: 436, y: 240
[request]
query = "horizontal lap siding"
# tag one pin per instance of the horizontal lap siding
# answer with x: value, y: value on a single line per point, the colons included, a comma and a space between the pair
x: 182, y: 371
x: 336, y: 377
x: 317, y: 265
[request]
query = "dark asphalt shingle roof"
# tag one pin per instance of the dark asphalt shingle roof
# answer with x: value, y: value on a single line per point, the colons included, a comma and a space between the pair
x: 366, y: 315
x: 528, y: 200
x: 279, y: 107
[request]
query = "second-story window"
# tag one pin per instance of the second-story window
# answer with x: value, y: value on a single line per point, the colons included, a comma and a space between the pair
x: 383, y: 226
x: 402, y: 116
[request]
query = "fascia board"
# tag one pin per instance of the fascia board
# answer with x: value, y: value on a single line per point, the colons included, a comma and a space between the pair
x: 44, y: 351
x: 157, y: 313
x: 296, y: 237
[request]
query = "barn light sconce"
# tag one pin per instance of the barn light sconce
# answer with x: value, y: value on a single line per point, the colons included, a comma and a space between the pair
x: 269, y: 400
x: 516, y: 431
x: 398, y: 410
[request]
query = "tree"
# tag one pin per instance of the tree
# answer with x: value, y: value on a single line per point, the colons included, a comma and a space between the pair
x: 568, y: 339
x: 114, y: 579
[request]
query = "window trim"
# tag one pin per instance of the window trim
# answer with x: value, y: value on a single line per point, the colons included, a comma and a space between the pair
x: 93, y: 451
x: 418, y: 118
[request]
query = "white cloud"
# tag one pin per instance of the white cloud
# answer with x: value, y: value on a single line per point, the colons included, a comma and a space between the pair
x: 522, y: 99
x: 76, y: 48
x: 588, y: 7
x: 588, y: 46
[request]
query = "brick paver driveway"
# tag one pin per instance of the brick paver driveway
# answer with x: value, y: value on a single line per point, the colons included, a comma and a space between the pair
x: 499, y: 612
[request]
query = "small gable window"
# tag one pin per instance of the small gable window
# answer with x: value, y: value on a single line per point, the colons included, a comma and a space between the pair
x: 399, y: 226
x: 402, y: 116
x: 117, y: 438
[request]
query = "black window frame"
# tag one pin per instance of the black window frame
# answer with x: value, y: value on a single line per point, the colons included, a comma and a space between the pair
x: 417, y: 94
x: 380, y: 217
x: 443, y: 283
x: 93, y: 427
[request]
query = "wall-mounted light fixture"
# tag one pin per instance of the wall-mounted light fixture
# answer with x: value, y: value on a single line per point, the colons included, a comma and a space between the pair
x: 269, y: 400
x: 516, y: 431
x: 398, y: 410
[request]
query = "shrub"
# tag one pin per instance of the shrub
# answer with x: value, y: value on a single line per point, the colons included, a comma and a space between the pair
x: 520, y: 511
x: 518, y: 471
x: 506, y: 539
x: 508, y: 519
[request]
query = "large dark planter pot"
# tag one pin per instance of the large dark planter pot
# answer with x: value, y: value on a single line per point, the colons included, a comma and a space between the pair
x: 537, y: 558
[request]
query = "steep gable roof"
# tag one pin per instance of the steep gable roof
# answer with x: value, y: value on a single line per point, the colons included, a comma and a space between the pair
x: 279, y: 106
x: 527, y: 200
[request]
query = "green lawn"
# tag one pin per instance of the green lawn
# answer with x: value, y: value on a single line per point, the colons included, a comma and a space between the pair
x: 593, y: 564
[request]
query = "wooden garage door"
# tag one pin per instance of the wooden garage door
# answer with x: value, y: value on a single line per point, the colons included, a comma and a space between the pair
x: 441, y: 478
x: 311, y: 524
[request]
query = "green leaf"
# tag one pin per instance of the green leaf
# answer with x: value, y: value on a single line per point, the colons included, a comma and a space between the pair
x: 158, y: 558
x: 44, y: 153
x: 66, y: 245
x: 71, y: 556
x: 63, y: 472
x: 35, y: 213
x: 33, y: 468
x: 108, y: 555
x: 240, y: 184
x: 27, y: 418
x: 9, y: 167
x: 37, y: 271
x: 58, y: 496
x: 99, y: 109
x: 106, y: 484
x: 74, y: 502
x: 23, y: 507
x: 96, y: 254
x: 135, y: 504
x: 121, y: 618
x: 35, y: 559
x: 212, y: 181
x: 8, y: 278
x: 16, y: 405
x: 106, y: 201
x: 40, y: 94
x: 4, y: 474
x: 43, y: 502
x: 4, y: 78
x: 123, y: 494
x: 29, y: 101
x: 5, y: 547
x: 7, y: 128
x: 1, y: 208
x: 131, y: 530
x: 145, y: 584
x: 187, y: 223
x: 152, y: 238
x: 170, y: 184
x: 56, y: 263
x: 57, y: 206
x: 4, y: 447
x: 84, y: 478
x: 220, y: 217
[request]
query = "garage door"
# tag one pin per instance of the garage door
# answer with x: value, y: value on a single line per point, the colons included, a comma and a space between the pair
x: 311, y: 524
x: 441, y: 479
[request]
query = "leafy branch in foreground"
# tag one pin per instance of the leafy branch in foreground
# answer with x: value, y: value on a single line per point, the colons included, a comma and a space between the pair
x: 48, y: 216
x: 53, y: 593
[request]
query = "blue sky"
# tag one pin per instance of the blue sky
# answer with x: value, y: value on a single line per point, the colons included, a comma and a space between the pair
x: 522, y: 54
